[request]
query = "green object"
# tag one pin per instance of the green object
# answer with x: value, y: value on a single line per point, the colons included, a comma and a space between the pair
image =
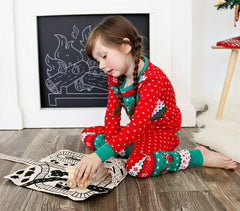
x: 177, y: 133
x: 229, y: 4
x: 105, y: 152
x: 165, y: 162
x: 196, y: 158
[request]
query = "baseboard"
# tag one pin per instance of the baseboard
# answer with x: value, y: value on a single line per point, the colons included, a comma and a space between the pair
x: 188, y: 115
x: 10, y: 118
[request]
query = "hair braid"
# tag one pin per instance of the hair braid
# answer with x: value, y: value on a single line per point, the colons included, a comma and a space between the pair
x: 137, y: 49
x: 117, y: 108
x: 113, y: 30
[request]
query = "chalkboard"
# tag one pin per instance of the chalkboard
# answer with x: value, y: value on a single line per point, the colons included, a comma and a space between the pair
x: 68, y: 78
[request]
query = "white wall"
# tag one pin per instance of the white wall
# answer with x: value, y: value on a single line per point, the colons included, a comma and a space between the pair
x: 170, y: 49
x: 209, y: 66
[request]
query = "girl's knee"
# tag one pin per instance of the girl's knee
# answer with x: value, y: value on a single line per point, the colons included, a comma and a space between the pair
x: 88, y: 135
x: 93, y: 139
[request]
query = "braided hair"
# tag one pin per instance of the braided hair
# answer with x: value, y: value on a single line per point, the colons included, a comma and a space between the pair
x: 113, y: 31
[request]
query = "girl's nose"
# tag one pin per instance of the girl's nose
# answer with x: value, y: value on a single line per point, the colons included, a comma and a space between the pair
x: 102, y: 65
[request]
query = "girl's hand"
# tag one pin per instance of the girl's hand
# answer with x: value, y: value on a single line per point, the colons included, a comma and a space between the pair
x: 87, y: 167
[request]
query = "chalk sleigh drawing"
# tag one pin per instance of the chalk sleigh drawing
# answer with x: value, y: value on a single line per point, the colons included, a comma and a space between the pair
x: 70, y: 66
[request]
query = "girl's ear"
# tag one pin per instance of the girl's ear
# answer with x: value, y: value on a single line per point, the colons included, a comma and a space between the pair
x: 126, y: 46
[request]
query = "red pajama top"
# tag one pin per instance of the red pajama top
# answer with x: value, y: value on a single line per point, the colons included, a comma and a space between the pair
x: 156, y: 109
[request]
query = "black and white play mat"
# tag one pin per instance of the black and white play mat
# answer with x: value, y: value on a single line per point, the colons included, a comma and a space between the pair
x: 49, y: 175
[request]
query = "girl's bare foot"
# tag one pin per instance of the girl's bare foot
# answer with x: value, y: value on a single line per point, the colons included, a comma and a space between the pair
x: 217, y: 160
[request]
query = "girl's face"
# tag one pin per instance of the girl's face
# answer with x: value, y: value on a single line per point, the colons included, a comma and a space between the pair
x: 114, y: 61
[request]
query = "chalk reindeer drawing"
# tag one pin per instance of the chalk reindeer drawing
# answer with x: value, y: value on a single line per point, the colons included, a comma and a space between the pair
x: 70, y: 66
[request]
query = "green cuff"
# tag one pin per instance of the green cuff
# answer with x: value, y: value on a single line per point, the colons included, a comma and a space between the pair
x: 196, y: 158
x: 105, y: 152
x: 177, y: 133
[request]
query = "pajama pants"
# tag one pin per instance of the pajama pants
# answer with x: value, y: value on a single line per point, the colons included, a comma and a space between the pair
x: 151, y: 155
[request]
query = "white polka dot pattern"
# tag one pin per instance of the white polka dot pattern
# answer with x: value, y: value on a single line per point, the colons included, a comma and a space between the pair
x: 155, y: 90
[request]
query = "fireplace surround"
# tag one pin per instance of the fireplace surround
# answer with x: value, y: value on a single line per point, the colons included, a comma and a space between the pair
x: 20, y: 105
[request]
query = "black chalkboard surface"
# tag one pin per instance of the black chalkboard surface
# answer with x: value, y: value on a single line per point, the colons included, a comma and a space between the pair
x: 67, y: 77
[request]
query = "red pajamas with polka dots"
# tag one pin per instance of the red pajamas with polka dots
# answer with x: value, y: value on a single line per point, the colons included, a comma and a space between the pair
x: 150, y: 137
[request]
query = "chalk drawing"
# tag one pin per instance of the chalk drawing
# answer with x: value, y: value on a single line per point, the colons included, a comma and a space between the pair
x: 70, y: 66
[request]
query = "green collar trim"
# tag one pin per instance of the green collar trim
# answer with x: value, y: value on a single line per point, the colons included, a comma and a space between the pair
x: 124, y: 89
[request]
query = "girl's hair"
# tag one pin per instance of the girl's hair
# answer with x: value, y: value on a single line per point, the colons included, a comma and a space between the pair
x: 112, y: 31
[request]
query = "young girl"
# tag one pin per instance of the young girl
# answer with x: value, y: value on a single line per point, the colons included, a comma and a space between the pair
x: 147, y: 96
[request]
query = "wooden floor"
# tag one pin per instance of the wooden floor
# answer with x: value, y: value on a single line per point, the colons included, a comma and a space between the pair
x: 197, y: 188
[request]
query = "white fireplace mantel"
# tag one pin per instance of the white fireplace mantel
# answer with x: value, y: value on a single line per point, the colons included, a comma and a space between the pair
x: 170, y: 49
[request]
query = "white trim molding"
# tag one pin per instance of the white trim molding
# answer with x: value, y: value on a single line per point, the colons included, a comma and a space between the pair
x: 182, y: 58
x: 10, y: 112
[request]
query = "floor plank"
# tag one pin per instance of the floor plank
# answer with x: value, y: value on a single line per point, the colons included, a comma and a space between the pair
x: 188, y: 200
x: 197, y: 188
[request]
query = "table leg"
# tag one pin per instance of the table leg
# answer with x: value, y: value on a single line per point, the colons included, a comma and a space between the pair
x: 228, y: 79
